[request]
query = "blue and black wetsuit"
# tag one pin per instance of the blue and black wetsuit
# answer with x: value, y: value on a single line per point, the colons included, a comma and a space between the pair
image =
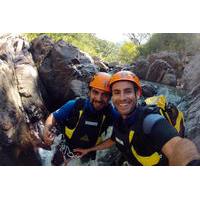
x: 83, y: 124
x: 142, y: 135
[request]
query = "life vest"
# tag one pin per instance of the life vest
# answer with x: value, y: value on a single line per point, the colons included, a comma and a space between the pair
x: 135, y: 145
x: 84, y: 128
x: 169, y: 111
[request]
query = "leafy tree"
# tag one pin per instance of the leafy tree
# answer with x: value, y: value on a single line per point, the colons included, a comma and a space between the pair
x: 179, y: 42
x: 138, y: 38
x: 128, y: 52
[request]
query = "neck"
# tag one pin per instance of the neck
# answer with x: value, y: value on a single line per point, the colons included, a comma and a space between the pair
x: 129, y: 114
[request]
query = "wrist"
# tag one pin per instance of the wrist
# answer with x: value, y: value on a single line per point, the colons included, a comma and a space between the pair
x: 91, y: 149
x: 48, y: 127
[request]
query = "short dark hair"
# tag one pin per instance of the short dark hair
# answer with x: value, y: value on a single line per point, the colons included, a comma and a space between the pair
x: 135, y: 87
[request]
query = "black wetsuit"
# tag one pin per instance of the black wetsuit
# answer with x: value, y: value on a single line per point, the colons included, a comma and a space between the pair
x: 142, y: 135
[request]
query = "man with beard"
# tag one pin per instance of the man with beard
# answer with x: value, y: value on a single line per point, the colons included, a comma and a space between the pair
x: 84, y: 120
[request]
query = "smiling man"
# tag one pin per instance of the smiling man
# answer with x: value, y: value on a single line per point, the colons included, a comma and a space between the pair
x: 142, y: 134
x: 84, y: 119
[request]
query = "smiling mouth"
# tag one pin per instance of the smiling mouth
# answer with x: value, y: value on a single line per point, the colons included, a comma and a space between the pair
x: 123, y: 105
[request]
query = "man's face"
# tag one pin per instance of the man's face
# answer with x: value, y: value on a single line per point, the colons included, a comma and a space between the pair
x: 99, y: 98
x: 124, y: 97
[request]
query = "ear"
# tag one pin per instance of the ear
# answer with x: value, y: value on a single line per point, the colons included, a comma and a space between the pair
x: 137, y: 95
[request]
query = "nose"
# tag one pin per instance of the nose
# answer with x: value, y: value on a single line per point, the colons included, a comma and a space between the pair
x: 122, y: 96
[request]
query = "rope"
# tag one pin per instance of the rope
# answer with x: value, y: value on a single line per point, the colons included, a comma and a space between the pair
x: 65, y: 150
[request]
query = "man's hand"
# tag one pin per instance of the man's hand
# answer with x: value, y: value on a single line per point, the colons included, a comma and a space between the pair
x: 81, y: 152
x: 184, y: 152
x: 48, y: 136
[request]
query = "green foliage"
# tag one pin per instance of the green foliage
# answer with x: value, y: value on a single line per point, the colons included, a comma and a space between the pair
x: 87, y: 42
x: 128, y: 52
x: 179, y: 42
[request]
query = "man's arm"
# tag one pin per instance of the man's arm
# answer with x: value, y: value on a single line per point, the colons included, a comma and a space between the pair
x: 180, y: 151
x: 104, y: 145
x: 168, y: 147
x: 48, y: 135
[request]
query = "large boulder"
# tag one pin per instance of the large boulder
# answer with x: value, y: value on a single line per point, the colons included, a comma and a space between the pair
x: 65, y: 71
x: 102, y: 66
x: 140, y: 68
x: 172, y: 58
x: 160, y: 71
x: 40, y: 48
x: 148, y: 90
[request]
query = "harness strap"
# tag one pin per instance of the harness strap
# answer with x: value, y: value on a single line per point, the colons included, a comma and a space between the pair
x: 99, y: 140
x: 165, y: 114
x: 178, y: 121
x: 69, y: 132
x: 144, y: 160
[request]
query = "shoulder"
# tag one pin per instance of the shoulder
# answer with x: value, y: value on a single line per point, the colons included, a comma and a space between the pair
x: 81, y: 102
x: 64, y: 111
x: 68, y: 105
x: 149, y: 116
x: 150, y: 120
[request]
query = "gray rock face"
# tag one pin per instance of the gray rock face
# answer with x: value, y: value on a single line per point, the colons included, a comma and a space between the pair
x: 148, y: 90
x: 160, y: 71
x: 10, y: 102
x: 163, y: 67
x: 140, y: 68
x: 169, y: 79
x: 102, y: 66
x: 19, y: 92
x: 191, y: 73
x: 191, y: 77
x: 172, y: 58
x: 40, y: 48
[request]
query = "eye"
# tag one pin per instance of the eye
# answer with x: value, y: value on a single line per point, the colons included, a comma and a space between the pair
x: 95, y: 92
x: 128, y: 91
x: 106, y: 95
x: 116, y: 92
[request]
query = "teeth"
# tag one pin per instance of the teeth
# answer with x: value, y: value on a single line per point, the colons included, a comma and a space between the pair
x: 123, y: 105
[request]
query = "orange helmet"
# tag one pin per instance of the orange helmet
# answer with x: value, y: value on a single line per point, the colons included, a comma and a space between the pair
x: 126, y: 76
x: 101, y: 81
